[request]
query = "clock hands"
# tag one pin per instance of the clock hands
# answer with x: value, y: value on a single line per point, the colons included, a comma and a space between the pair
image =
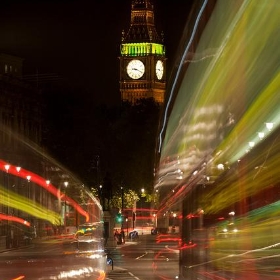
x: 137, y: 70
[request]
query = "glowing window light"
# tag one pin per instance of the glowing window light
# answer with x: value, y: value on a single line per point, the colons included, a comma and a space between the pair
x: 220, y: 166
x: 269, y: 126
x: 251, y: 144
x: 261, y: 135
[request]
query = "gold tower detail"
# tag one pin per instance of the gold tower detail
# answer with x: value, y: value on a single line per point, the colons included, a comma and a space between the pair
x: 142, y: 57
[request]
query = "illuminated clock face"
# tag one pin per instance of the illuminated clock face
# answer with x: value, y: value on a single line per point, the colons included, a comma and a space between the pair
x: 135, y: 69
x: 159, y: 69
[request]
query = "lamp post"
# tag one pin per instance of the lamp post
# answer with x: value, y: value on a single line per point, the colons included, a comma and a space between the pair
x: 134, y: 214
x: 8, y: 237
x: 141, y: 199
x: 101, y: 196
x: 122, y: 196
x: 155, y: 220
x: 28, y: 177
x: 7, y: 167
x: 65, y: 221
x: 174, y: 223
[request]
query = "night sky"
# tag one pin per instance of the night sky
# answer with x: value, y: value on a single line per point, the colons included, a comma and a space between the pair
x: 78, y: 40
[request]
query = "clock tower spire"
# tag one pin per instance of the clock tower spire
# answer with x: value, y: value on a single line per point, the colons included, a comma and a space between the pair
x: 142, y: 56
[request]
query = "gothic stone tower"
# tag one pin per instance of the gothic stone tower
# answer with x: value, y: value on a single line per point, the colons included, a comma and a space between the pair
x: 142, y: 57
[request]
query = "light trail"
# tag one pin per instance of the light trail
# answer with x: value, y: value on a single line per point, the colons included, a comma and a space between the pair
x: 40, y: 181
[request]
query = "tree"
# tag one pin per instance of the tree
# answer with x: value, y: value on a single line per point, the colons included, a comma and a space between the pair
x: 129, y: 198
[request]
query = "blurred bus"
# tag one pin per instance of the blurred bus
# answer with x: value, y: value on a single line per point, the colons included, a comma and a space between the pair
x: 219, y: 142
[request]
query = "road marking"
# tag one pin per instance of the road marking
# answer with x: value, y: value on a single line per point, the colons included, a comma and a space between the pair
x: 142, y: 256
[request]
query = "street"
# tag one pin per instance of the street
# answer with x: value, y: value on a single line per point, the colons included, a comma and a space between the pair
x: 144, y: 259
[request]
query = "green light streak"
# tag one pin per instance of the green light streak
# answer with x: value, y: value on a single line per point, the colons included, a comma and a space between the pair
x: 230, y: 89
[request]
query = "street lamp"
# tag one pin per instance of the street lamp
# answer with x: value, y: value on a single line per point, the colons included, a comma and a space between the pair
x: 7, y: 167
x: 122, y: 195
x: 101, y: 196
x: 28, y: 177
x: 141, y: 204
x: 174, y: 218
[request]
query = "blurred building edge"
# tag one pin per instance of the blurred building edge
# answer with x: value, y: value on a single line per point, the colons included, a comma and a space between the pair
x: 11, y: 65
x: 21, y: 112
x: 20, y: 125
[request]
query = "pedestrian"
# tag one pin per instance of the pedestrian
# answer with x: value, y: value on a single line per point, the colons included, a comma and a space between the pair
x: 122, y: 236
x: 116, y: 235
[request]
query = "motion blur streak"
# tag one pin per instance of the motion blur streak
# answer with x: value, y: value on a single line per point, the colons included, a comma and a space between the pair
x: 179, y: 69
x: 80, y: 273
x: 219, y: 82
x: 19, y: 278
x: 42, y: 183
x: 230, y: 95
x: 219, y: 161
x: 102, y: 275
x: 14, y: 219
x: 26, y: 205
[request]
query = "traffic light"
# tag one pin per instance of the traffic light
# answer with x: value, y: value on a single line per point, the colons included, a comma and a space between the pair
x: 119, y: 218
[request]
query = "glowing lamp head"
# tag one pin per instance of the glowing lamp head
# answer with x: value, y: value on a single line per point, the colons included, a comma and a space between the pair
x: 7, y: 167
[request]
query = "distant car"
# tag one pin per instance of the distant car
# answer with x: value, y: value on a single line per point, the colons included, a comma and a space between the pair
x: 133, y: 235
x: 154, y: 231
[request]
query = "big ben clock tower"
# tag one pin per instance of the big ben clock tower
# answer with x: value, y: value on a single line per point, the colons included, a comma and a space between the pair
x: 142, y: 57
